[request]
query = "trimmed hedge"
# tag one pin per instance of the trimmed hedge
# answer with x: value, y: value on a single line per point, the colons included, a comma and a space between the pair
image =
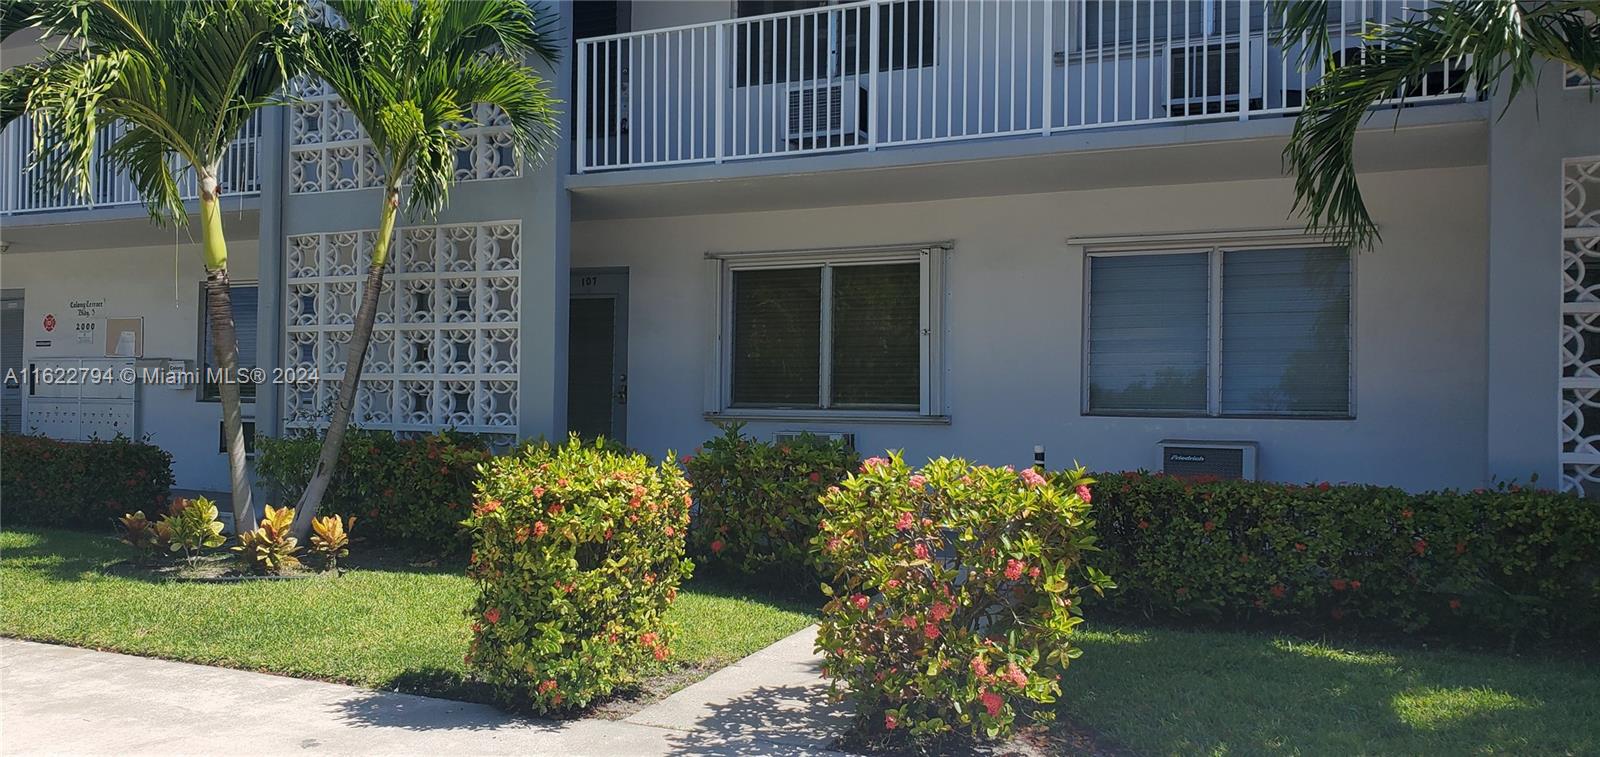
x: 577, y: 551
x: 954, y: 593
x: 1510, y: 561
x: 407, y: 492
x: 46, y: 482
x: 756, y: 501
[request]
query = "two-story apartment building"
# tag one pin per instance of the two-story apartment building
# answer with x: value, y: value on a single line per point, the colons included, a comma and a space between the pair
x: 946, y: 226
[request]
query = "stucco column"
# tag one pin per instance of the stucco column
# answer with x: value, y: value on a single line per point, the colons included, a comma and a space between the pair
x: 1526, y: 149
x: 272, y: 158
x: 546, y: 266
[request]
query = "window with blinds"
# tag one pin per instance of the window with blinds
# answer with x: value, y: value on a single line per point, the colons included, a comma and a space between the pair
x: 244, y: 299
x: 827, y: 335
x: 876, y: 349
x: 777, y: 337
x: 1220, y: 332
x: 1148, y: 333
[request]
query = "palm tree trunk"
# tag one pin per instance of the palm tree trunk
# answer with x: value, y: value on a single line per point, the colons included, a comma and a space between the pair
x: 366, y: 315
x: 225, y: 348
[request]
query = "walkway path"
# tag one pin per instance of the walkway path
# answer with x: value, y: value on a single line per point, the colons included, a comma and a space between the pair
x: 64, y: 700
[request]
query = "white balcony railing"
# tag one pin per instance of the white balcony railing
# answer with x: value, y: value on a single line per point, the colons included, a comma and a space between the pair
x: 882, y: 73
x: 24, y: 190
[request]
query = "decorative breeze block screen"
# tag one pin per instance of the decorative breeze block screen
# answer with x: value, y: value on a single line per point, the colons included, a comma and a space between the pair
x: 329, y: 151
x: 445, y: 344
x: 1580, y: 326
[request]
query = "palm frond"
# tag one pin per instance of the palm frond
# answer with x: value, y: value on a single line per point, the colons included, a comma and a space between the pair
x: 147, y: 161
x: 16, y: 15
x: 185, y: 73
x: 1305, y: 26
x: 1499, y: 44
x: 413, y: 74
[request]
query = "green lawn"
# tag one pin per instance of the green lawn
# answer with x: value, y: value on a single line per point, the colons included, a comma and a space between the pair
x: 1148, y: 691
x: 391, y: 627
x: 1187, y: 692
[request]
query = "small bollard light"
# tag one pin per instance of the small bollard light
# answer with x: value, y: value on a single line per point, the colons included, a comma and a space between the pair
x: 1038, y: 456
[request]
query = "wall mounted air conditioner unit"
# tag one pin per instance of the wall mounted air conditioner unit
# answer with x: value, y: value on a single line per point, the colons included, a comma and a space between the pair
x: 1191, y: 457
x: 1205, y: 77
x: 786, y: 437
x: 821, y: 115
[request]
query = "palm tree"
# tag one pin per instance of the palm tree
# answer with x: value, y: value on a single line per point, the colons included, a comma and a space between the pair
x: 411, y: 72
x: 184, y: 77
x: 1499, y: 43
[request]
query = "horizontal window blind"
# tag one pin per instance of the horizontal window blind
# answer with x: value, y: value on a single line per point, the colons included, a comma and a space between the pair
x: 777, y: 337
x: 244, y: 299
x: 1286, y: 332
x: 1148, y: 333
x: 877, y: 349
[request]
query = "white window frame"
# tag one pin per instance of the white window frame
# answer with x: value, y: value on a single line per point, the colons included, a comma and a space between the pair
x: 930, y: 256
x: 1215, y: 250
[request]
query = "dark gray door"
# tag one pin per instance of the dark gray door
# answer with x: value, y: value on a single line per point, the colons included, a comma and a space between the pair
x: 11, y: 367
x: 597, y: 355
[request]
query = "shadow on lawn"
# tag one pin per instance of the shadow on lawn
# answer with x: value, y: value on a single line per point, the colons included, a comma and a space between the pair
x: 1185, y: 692
x: 72, y: 558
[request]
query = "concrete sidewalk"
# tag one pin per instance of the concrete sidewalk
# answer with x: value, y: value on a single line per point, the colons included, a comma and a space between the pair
x: 63, y: 700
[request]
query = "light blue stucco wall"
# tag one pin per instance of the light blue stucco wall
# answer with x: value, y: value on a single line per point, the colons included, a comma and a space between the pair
x: 1526, y: 149
x: 1014, y: 316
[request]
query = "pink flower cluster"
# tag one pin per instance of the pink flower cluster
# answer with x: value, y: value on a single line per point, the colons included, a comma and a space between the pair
x: 1032, y: 477
x: 872, y: 462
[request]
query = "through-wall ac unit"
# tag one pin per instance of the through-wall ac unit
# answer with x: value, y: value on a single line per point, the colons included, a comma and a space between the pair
x: 1205, y: 78
x: 1192, y: 457
x: 820, y: 114
x: 786, y: 437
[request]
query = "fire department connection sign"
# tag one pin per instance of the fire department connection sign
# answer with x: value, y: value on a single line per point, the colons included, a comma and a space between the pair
x: 49, y: 321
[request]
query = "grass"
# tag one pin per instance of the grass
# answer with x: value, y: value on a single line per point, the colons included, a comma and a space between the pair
x: 383, y: 625
x: 1140, y: 690
x: 1163, y: 691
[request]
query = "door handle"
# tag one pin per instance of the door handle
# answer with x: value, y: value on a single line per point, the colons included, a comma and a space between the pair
x: 622, y: 390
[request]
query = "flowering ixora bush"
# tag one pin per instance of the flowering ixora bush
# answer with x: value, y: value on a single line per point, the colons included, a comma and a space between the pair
x: 81, y: 484
x: 954, y: 592
x: 577, y: 552
x: 408, y: 492
x: 1505, y: 562
x: 756, y: 502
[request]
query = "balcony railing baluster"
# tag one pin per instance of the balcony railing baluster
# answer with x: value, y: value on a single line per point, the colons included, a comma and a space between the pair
x: 24, y: 191
x: 883, y: 73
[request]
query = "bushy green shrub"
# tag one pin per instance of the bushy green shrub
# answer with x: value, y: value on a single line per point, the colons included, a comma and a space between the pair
x: 81, y: 484
x: 577, y: 551
x: 1506, y: 562
x: 189, y: 526
x: 954, y: 593
x: 756, y: 502
x: 408, y: 492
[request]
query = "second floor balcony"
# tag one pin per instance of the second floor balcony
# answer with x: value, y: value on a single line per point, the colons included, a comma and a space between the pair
x: 25, y: 189
x: 890, y: 73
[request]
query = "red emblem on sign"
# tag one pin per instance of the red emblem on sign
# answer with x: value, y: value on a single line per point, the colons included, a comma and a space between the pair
x: 49, y: 322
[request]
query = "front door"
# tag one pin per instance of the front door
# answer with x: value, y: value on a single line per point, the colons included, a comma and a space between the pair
x: 12, y: 373
x: 597, y: 355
